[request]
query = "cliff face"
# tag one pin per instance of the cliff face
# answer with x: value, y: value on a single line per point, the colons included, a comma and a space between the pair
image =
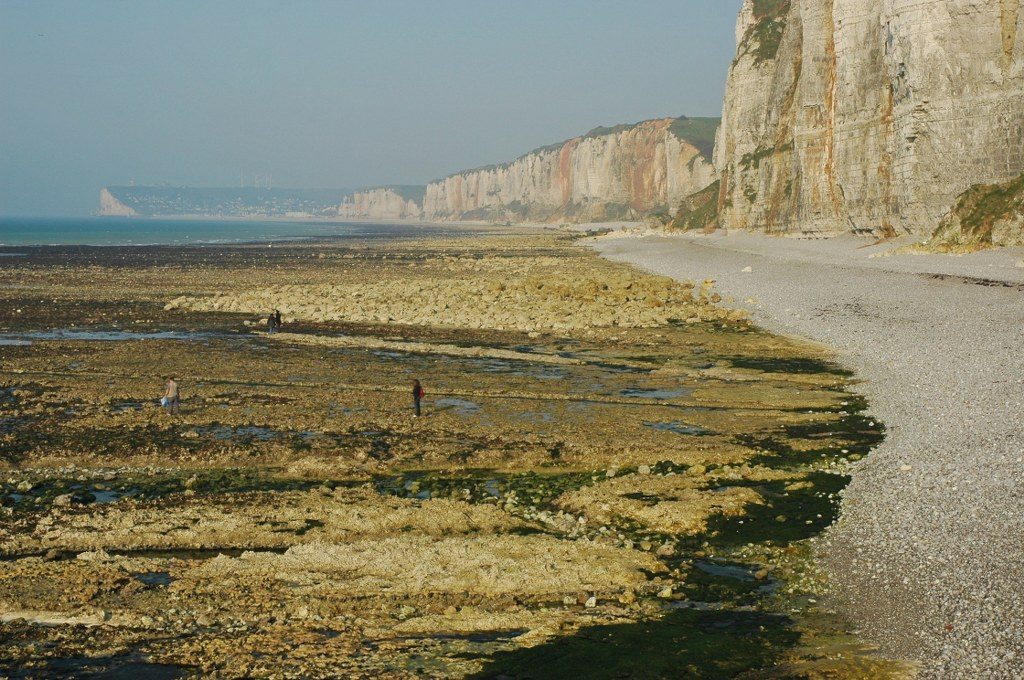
x: 868, y: 115
x: 610, y: 173
x: 384, y: 203
x: 110, y: 206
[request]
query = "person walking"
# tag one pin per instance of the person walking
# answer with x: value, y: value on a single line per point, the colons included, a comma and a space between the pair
x: 272, y: 322
x: 172, y: 396
x: 277, y: 319
x: 417, y: 394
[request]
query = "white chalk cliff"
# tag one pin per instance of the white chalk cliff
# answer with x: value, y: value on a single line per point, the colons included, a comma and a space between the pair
x: 384, y: 203
x: 609, y: 173
x: 110, y: 206
x: 868, y: 115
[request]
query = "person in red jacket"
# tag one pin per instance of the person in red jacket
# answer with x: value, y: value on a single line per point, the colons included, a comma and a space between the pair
x: 417, y: 394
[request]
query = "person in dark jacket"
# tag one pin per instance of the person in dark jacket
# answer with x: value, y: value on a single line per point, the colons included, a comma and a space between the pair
x: 417, y: 394
x: 277, y: 319
x: 272, y: 322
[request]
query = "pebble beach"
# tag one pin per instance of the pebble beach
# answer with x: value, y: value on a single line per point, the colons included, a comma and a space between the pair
x: 927, y: 555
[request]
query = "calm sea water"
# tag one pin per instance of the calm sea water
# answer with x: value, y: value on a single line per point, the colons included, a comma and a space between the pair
x: 109, y: 231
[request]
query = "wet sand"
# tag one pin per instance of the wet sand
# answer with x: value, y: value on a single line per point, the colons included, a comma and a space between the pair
x: 615, y: 473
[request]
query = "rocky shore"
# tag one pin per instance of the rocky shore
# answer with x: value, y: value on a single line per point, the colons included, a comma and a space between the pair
x: 614, y: 474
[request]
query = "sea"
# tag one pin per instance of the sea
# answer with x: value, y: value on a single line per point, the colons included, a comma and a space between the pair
x: 122, y: 231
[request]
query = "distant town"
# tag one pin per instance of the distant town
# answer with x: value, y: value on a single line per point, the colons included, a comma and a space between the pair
x: 129, y: 201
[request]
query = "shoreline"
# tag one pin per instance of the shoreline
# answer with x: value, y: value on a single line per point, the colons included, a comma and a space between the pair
x: 359, y: 229
x: 312, y: 219
x: 948, y: 474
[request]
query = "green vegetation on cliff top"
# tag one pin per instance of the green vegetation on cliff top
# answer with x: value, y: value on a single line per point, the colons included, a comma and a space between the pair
x: 410, y: 192
x: 770, y: 8
x: 764, y: 36
x: 697, y: 131
x: 700, y: 132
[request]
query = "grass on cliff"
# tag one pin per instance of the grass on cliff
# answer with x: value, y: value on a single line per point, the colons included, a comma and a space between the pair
x: 978, y: 213
x: 698, y: 211
x: 753, y: 159
x: 410, y: 192
x: 697, y: 131
x: 700, y: 132
x: 764, y: 36
x: 603, y: 130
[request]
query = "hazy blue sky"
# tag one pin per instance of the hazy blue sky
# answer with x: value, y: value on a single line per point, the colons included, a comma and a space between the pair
x: 329, y: 94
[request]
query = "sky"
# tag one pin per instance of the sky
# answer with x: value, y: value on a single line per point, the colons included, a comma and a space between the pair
x: 322, y: 94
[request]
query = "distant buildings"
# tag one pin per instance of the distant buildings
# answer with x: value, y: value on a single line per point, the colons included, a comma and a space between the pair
x: 219, y: 202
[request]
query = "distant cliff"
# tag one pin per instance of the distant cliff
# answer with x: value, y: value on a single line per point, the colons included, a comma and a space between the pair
x: 866, y: 115
x: 124, y: 201
x: 384, y: 203
x: 608, y: 173
x: 112, y: 206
